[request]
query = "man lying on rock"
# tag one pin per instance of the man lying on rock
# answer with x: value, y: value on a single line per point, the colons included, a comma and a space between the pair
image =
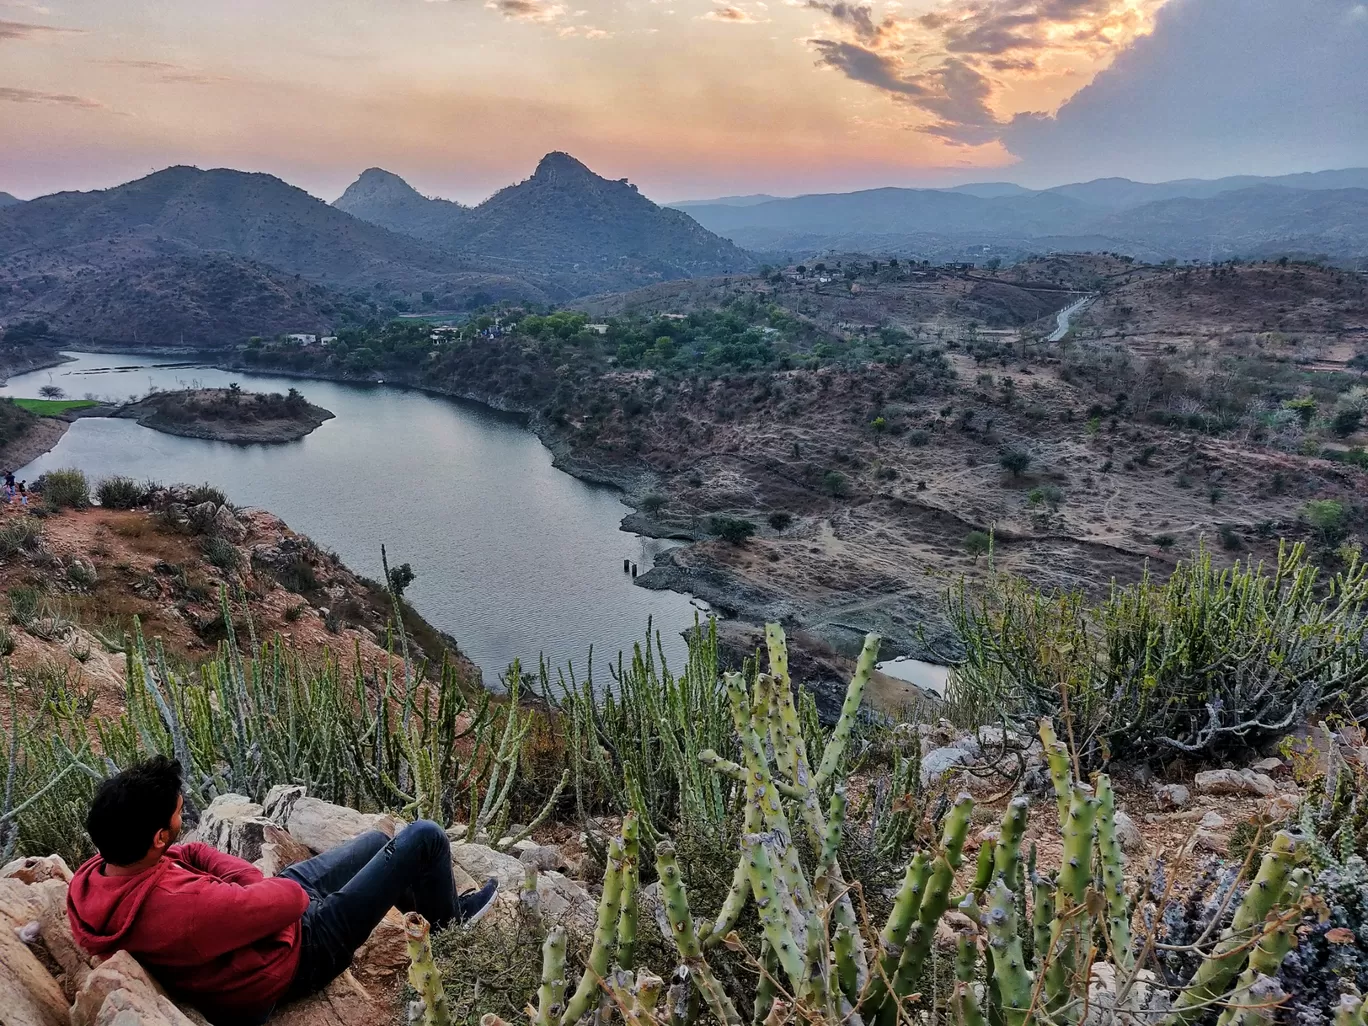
x: 216, y: 932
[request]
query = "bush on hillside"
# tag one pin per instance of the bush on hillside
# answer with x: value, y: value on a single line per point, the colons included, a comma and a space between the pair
x: 731, y: 529
x: 120, y: 493
x: 64, y: 489
x: 1208, y: 662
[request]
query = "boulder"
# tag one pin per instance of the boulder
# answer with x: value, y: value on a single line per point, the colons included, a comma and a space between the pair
x: 201, y: 517
x: 320, y: 825
x: 36, y: 868
x: 937, y: 764
x: 479, y: 862
x: 1144, y: 1004
x: 539, y: 856
x: 344, y: 1002
x: 279, y: 851
x: 1172, y: 796
x: 228, y: 526
x: 29, y: 996
x: 383, y: 959
x: 1235, y: 782
x: 234, y: 824
x: 1129, y: 835
x: 120, y: 991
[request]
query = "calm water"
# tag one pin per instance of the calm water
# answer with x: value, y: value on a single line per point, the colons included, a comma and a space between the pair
x: 514, y: 557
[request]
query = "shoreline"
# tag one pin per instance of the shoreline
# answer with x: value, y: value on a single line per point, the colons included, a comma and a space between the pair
x: 149, y: 413
x: 731, y: 597
x: 40, y: 439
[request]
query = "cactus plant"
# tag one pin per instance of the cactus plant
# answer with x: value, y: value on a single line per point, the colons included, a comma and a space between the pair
x: 423, y: 976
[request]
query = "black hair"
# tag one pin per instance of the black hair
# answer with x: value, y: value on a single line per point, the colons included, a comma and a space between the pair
x: 131, y: 806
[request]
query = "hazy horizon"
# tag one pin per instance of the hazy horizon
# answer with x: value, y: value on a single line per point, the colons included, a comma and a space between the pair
x: 689, y: 99
x: 671, y: 200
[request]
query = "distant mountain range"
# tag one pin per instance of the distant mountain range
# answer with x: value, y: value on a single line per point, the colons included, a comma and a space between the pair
x: 1320, y: 212
x: 563, y: 221
x: 256, y: 255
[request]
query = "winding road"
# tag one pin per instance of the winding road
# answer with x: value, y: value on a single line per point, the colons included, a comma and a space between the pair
x: 1065, y: 315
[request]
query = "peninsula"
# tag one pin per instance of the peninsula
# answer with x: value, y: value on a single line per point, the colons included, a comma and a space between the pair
x: 228, y: 414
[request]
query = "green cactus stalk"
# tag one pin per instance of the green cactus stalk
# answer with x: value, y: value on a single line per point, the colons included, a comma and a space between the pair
x: 1113, y: 877
x: 831, y: 842
x: 1215, y: 974
x: 983, y: 868
x: 631, y: 881
x: 1042, y: 915
x: 601, y: 951
x: 1007, y: 847
x: 1061, y: 768
x: 1015, y: 985
x: 686, y: 938
x: 1268, y: 954
x: 551, y: 995
x: 893, y: 937
x: 766, y: 988
x: 1071, y: 921
x: 835, y: 749
x: 422, y: 974
x: 815, y: 987
x: 1259, y: 1005
x: 934, y: 902
x: 772, y: 915
x: 964, y: 1006
x: 739, y: 890
x: 847, y: 961
x: 1351, y: 1011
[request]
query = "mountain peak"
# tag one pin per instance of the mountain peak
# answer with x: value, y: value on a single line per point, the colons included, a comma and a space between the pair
x: 6, y: 200
x: 559, y: 166
x: 375, y: 183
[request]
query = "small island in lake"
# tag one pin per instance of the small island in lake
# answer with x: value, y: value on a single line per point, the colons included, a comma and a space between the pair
x: 228, y: 414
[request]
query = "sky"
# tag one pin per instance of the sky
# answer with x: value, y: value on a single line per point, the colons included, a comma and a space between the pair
x: 686, y: 98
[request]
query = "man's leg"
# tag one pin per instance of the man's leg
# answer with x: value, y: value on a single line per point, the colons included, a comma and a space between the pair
x: 323, y: 874
x: 411, y: 872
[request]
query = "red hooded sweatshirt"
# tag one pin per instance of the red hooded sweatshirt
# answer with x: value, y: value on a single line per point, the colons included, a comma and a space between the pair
x: 208, y: 925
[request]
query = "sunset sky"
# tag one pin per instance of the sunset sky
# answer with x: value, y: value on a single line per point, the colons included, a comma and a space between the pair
x: 687, y: 98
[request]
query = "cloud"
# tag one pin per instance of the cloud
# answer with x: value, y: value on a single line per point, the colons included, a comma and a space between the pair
x: 950, y: 63
x: 10, y: 94
x: 859, y: 19
x: 730, y: 16
x: 1220, y: 86
x: 166, y: 71
x: 865, y: 65
x: 528, y: 10
x: 27, y: 30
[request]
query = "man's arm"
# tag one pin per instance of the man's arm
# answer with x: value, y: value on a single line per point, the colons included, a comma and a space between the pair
x: 208, y: 859
x: 226, y: 916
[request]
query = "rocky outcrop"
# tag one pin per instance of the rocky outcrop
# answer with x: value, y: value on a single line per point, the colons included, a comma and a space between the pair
x: 119, y: 992
x: 320, y: 825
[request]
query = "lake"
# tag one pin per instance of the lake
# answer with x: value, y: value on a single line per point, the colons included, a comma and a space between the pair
x: 514, y: 558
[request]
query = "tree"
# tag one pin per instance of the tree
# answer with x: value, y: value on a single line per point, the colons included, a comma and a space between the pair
x: 652, y: 504
x: 977, y: 543
x: 735, y: 530
x: 1014, y: 461
x: 780, y: 519
x: 834, y: 483
x: 51, y: 392
x: 1344, y: 424
x: 993, y: 263
x: 1327, y: 517
x: 400, y: 577
x: 234, y: 392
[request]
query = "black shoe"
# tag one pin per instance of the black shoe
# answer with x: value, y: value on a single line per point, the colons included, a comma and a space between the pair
x: 470, y: 907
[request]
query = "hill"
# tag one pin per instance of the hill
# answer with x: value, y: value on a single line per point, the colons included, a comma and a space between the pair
x: 581, y: 231
x: 255, y: 216
x: 385, y: 199
x: 6, y: 200
x: 201, y: 299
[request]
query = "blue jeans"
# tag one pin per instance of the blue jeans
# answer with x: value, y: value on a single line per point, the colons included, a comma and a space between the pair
x: 352, y: 887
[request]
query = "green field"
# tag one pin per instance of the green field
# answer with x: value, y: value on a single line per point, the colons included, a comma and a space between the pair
x: 53, y: 407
